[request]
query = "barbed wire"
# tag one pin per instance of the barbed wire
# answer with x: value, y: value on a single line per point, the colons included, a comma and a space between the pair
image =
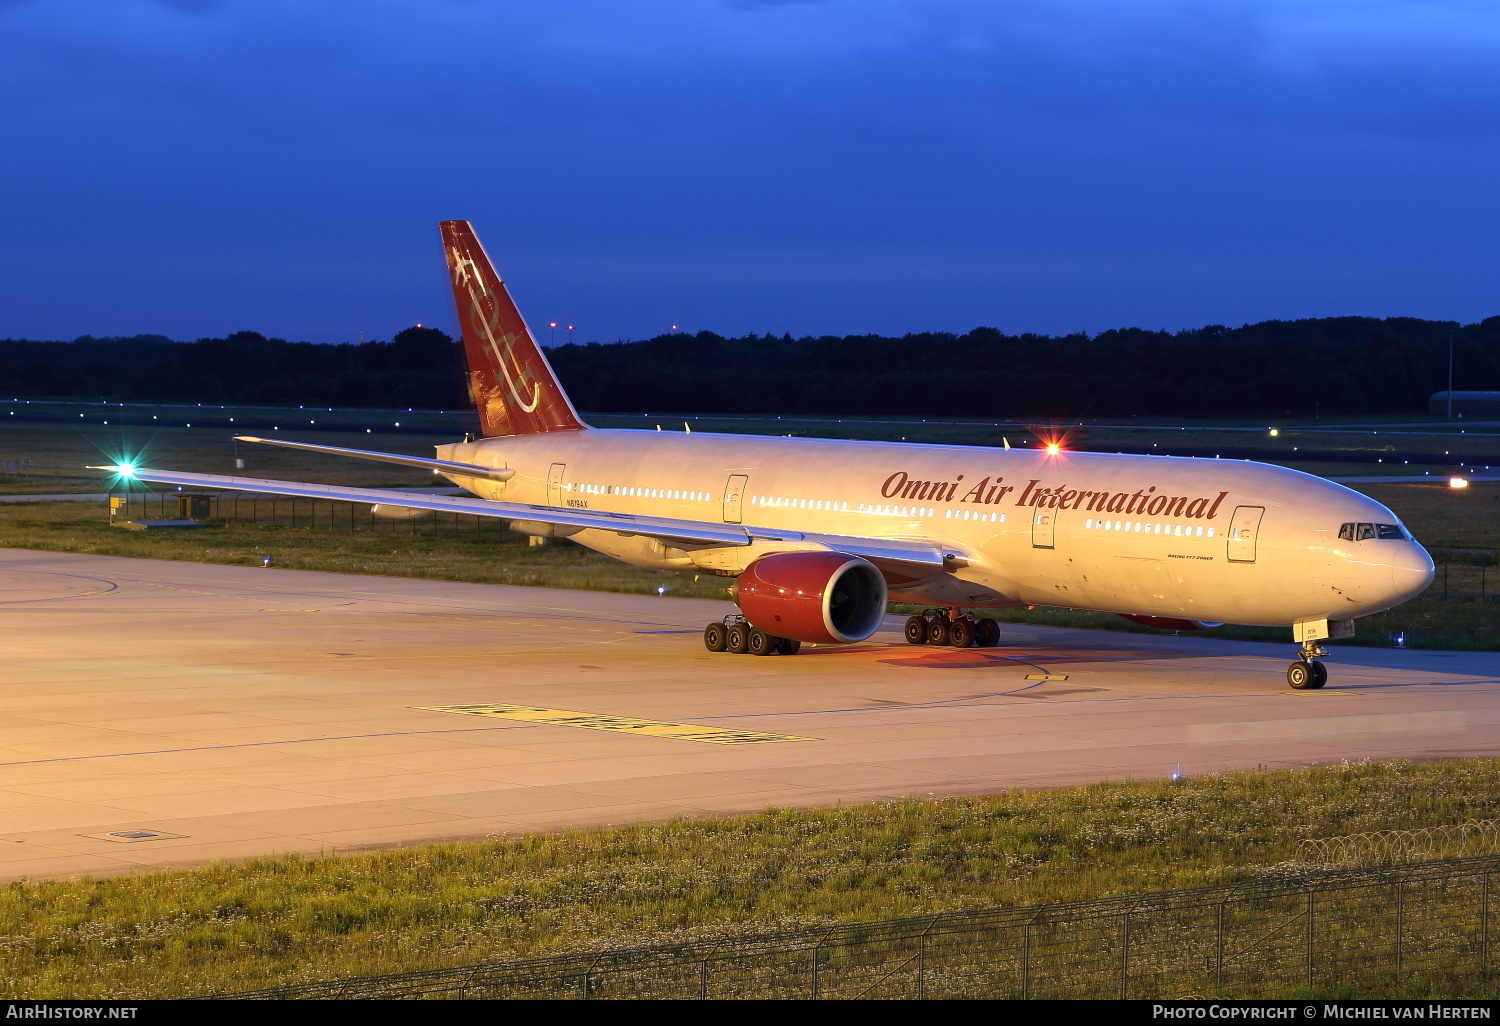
x: 1387, y: 847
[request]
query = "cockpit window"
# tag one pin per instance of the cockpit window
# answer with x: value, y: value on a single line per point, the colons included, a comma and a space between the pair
x: 1364, y: 532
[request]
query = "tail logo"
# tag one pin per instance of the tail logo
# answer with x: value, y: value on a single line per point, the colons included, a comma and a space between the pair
x: 513, y: 388
x: 502, y: 352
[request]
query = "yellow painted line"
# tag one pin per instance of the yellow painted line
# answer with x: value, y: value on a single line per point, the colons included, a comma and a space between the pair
x: 620, y: 724
x: 1046, y: 676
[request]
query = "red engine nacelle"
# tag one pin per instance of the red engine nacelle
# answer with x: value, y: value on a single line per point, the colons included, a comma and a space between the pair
x: 818, y: 597
x: 1170, y: 623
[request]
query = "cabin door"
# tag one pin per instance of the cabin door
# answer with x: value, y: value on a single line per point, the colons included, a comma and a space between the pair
x: 1043, y: 527
x: 1243, y: 530
x: 734, y: 498
x: 554, y: 484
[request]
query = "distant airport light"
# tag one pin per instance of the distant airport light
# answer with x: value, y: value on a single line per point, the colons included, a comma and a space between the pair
x: 1458, y: 482
x: 1274, y: 432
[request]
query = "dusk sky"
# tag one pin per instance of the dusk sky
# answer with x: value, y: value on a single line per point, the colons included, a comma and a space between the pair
x: 195, y: 167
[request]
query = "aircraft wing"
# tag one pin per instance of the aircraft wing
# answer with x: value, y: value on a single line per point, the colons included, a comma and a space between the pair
x: 696, y: 532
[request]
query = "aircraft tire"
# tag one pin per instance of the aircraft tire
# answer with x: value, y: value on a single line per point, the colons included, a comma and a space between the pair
x: 916, y: 630
x: 1319, y: 675
x: 759, y: 643
x: 713, y: 637
x: 937, y: 631
x: 788, y: 646
x: 987, y: 633
x: 961, y: 634
x: 1300, y: 676
x: 737, y: 639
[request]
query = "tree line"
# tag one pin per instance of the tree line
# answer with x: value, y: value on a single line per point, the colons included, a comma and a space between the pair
x: 1333, y: 365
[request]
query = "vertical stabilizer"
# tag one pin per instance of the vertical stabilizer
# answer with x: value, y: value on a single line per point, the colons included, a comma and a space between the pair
x: 510, y: 382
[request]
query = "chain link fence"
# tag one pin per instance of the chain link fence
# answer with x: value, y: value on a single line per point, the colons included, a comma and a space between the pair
x: 307, y: 514
x: 1411, y: 929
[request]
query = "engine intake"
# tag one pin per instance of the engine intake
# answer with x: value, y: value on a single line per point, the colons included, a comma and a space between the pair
x: 817, y: 597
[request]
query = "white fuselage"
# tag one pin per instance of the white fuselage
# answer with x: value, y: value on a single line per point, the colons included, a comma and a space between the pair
x: 1196, y: 539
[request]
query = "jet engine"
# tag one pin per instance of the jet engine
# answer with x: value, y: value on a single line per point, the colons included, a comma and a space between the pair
x: 817, y: 597
x: 1171, y: 623
x: 389, y: 512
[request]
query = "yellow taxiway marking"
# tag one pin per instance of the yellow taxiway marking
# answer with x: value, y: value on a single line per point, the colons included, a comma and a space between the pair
x: 621, y: 724
x: 1046, y: 676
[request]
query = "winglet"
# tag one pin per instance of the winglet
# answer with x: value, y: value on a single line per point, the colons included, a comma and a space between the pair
x: 510, y: 382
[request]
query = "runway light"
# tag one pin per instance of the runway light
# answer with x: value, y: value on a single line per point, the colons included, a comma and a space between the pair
x: 1178, y: 775
x: 661, y: 589
x: 1053, y: 448
x: 265, y: 561
x: 1458, y: 482
x: 1274, y: 433
x: 1400, y: 639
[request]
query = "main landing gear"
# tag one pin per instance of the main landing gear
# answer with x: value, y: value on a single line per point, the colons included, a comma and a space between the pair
x: 733, y: 634
x: 1307, y: 674
x: 950, y: 627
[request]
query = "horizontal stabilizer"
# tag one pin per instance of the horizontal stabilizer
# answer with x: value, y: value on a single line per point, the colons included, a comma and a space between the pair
x: 442, y: 466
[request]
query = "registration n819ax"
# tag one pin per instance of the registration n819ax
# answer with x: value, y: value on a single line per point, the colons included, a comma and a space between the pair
x: 818, y: 535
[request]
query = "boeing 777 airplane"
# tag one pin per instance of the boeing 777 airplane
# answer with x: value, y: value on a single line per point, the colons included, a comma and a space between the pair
x: 818, y: 535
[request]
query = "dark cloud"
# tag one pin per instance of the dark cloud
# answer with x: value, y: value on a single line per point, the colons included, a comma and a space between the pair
x: 193, y: 6
x: 811, y: 166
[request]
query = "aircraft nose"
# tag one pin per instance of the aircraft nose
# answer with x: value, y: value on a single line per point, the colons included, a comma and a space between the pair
x: 1411, y: 572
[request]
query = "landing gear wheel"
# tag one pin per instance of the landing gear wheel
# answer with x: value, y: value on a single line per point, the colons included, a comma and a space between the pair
x: 759, y: 643
x: 713, y: 637
x: 1299, y: 676
x: 937, y: 631
x: 916, y: 630
x: 788, y: 646
x: 737, y: 639
x: 961, y: 634
x: 986, y: 633
x: 1319, y: 675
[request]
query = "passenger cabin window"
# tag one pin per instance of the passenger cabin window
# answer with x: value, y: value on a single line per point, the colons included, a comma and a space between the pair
x: 1366, y: 532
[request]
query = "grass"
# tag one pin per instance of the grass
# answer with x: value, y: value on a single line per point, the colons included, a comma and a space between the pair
x: 289, y: 919
x: 462, y: 550
x: 60, y: 453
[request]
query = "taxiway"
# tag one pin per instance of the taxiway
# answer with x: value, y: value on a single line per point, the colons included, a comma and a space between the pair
x: 158, y: 713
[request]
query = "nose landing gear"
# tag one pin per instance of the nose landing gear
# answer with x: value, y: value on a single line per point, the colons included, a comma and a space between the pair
x: 1307, y: 674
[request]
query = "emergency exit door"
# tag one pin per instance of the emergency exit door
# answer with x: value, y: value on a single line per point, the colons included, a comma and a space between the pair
x: 1243, y: 529
x: 1043, y: 527
x: 734, y: 498
x: 554, y: 484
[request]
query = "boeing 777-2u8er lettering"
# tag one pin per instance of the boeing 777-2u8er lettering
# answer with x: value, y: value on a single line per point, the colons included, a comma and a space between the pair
x: 818, y: 535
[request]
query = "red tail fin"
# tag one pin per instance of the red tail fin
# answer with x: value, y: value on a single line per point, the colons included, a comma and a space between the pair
x: 510, y: 382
